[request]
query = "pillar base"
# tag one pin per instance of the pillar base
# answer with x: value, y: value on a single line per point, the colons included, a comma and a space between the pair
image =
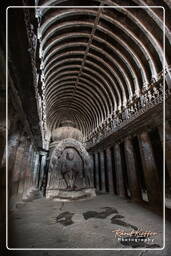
x: 68, y: 196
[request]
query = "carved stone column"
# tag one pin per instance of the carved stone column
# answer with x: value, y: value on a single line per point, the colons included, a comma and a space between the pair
x: 2, y: 146
x: 132, y: 172
x: 13, y: 143
x: 167, y: 144
x: 36, y: 168
x: 92, y: 164
x: 102, y: 166
x: 97, y: 172
x: 110, y: 170
x: 39, y: 171
x: 2, y: 123
x: 119, y: 173
x: 23, y: 168
x: 43, y: 164
x: 154, y: 190
x: 32, y: 166
x: 17, y: 169
x: 28, y: 171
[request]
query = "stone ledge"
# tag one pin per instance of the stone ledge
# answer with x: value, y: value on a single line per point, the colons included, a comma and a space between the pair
x: 63, y: 195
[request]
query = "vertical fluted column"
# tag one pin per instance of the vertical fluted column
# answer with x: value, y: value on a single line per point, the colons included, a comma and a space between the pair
x: 119, y: 173
x: 109, y: 170
x: 154, y: 190
x: 102, y: 166
x: 97, y: 172
x: 167, y: 144
x: 132, y: 172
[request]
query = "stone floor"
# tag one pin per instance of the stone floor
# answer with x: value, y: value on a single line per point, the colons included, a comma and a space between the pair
x: 43, y: 223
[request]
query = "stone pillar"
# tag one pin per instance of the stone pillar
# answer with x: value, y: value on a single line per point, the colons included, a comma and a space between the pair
x: 28, y: 171
x: 110, y: 170
x: 2, y: 150
x: 92, y: 164
x: 23, y: 168
x: 167, y: 144
x: 2, y: 123
x: 13, y: 144
x: 119, y: 173
x: 97, y: 172
x: 39, y: 171
x: 36, y: 168
x: 2, y: 145
x: 132, y: 172
x: 32, y: 163
x: 17, y: 169
x: 102, y: 166
x: 154, y: 190
x: 42, y: 169
x: 45, y: 176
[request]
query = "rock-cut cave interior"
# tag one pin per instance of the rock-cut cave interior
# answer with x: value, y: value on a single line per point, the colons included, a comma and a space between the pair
x: 85, y: 126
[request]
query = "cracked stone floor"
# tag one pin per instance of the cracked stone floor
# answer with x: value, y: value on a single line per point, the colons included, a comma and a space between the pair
x: 42, y: 223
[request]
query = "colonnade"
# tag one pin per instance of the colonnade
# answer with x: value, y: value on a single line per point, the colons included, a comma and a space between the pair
x: 130, y: 168
x: 22, y: 164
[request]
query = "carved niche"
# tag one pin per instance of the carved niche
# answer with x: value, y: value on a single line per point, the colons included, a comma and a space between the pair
x: 70, y: 168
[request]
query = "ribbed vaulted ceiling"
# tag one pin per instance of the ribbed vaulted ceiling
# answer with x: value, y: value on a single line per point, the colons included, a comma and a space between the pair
x: 95, y: 61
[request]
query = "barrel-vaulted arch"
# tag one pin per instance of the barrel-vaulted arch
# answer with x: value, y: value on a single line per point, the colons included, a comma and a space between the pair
x: 89, y: 103
x: 132, y: 14
x: 78, y: 102
x: 92, y: 79
x: 93, y: 62
x: 83, y: 111
x: 72, y: 115
x: 121, y: 70
x: 89, y: 70
x: 136, y: 62
x: 89, y: 98
x: 123, y: 62
x: 111, y: 74
x: 84, y: 84
x: 125, y: 29
x: 82, y: 90
x: 105, y: 31
x: 83, y: 115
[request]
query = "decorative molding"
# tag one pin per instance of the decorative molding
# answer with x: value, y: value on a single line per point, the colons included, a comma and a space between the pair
x: 147, y: 100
